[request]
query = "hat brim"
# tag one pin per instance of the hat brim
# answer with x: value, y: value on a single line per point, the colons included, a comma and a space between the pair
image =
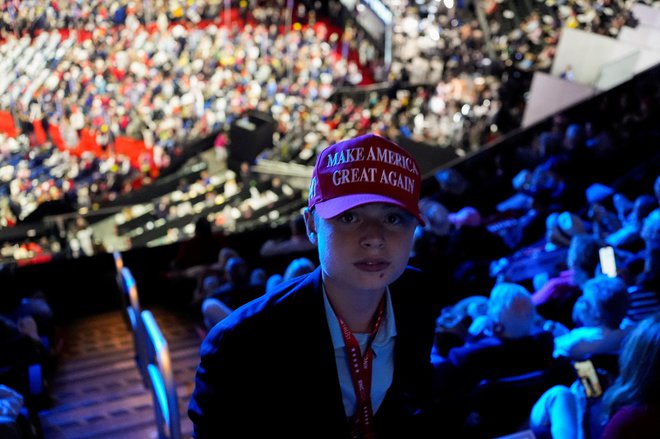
x: 336, y: 206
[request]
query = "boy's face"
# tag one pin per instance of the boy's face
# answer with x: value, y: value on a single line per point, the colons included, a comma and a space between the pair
x: 363, y: 249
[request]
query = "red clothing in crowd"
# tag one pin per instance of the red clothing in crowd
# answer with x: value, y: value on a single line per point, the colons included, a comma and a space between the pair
x: 556, y: 288
x: 639, y: 422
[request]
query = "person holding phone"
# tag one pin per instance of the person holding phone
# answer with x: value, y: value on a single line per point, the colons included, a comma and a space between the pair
x: 554, y: 300
x: 607, y: 261
x: 599, y: 314
x: 510, y: 344
x: 599, y: 318
x: 588, y: 376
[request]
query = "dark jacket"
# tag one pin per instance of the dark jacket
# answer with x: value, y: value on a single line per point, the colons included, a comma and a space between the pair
x: 268, y: 370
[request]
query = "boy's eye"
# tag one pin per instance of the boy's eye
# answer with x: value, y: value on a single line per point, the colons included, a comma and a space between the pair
x: 399, y: 217
x: 347, y: 217
x: 394, y: 219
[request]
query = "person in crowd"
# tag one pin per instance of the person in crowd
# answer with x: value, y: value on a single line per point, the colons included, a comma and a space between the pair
x: 656, y: 188
x: 221, y: 149
x: 509, y: 344
x: 35, y: 307
x: 258, y: 278
x: 452, y: 188
x: 297, y: 242
x: 348, y: 345
x: 234, y: 292
x: 642, y: 271
x: 557, y: 414
x: 555, y: 298
x: 468, y: 230
x: 454, y: 322
x: 629, y: 406
x: 208, y: 284
x: 213, y: 311
x: 84, y: 234
x: 568, y: 73
x: 600, y: 312
x: 628, y: 237
x: 599, y: 315
x: 210, y: 276
x: 649, y: 278
x: 429, y: 251
x: 11, y: 404
x: 602, y: 213
x: 237, y: 288
x: 201, y: 249
x: 560, y: 229
x: 474, y: 247
x: 632, y: 402
x: 20, y: 345
x: 296, y: 267
x: 273, y: 281
x: 182, y: 282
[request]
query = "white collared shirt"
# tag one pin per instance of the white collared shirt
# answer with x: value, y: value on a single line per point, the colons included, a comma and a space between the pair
x: 383, y: 360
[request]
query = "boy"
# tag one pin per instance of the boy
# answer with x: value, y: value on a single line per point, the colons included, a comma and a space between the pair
x: 342, y: 352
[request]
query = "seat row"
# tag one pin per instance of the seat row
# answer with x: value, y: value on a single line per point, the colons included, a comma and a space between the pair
x: 152, y: 355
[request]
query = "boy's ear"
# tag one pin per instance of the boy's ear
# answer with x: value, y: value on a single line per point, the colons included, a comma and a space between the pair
x: 310, y: 226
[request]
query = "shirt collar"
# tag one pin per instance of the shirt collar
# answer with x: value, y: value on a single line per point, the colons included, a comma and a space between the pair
x: 386, y: 331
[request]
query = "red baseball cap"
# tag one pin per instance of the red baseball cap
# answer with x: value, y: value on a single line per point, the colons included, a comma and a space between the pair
x: 362, y: 170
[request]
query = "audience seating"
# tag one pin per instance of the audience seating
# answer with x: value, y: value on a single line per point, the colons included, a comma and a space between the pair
x: 502, y: 405
x: 642, y: 303
x: 161, y: 379
x: 491, y: 415
x: 121, y: 288
x: 132, y: 314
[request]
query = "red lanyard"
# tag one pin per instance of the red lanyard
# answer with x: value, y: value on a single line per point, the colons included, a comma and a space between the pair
x: 360, y: 368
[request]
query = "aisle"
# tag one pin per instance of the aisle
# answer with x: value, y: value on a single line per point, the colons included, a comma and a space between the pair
x: 97, y: 390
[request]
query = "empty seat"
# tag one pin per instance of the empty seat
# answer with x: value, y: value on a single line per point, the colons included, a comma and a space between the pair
x: 161, y: 380
x: 132, y: 314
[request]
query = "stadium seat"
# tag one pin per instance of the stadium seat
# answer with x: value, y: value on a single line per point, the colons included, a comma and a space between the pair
x: 642, y: 303
x: 161, y: 380
x: 132, y: 309
x: 489, y: 417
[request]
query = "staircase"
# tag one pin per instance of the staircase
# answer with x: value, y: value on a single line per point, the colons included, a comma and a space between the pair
x: 97, y: 389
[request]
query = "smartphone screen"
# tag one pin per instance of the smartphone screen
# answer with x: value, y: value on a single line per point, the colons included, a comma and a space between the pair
x: 589, y: 378
x: 607, y: 261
